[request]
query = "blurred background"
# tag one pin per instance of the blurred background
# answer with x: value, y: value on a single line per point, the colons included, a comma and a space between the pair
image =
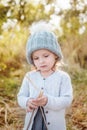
x: 68, y: 20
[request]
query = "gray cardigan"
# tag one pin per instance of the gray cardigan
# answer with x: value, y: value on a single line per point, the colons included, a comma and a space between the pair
x: 57, y: 87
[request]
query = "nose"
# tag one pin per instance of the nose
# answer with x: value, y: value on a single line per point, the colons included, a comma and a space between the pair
x: 41, y: 60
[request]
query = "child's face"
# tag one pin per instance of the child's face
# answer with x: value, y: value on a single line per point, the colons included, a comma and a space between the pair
x: 44, y: 60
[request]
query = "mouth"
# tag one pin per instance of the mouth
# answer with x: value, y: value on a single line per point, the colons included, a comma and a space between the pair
x: 43, y: 66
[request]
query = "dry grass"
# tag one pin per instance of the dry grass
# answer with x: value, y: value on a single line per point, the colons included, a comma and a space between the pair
x: 11, y: 116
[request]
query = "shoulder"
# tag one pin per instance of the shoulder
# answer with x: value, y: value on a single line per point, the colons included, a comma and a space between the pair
x: 33, y: 73
x: 63, y: 74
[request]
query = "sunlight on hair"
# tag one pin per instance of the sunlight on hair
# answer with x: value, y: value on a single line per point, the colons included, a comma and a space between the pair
x: 60, y: 64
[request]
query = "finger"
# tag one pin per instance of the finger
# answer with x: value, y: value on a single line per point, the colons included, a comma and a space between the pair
x: 34, y: 106
x: 29, y: 109
x: 40, y: 101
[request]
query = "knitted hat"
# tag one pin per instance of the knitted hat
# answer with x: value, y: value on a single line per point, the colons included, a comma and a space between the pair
x: 42, y: 40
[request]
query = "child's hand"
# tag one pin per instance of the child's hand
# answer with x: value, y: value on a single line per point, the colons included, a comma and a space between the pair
x: 30, y: 105
x: 40, y: 101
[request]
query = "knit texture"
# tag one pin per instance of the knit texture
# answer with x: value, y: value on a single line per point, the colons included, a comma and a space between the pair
x: 42, y: 40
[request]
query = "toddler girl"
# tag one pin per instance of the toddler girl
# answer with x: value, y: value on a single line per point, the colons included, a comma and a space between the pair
x: 45, y: 93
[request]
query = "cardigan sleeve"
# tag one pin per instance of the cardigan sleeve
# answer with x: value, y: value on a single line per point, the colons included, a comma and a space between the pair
x: 65, y: 98
x: 23, y: 94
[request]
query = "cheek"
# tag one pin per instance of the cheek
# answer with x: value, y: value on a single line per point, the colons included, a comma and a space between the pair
x: 35, y: 63
x: 53, y: 61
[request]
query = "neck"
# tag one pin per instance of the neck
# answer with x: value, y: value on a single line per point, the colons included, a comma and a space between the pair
x: 46, y: 74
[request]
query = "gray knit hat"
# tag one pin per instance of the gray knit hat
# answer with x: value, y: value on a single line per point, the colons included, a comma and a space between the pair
x: 42, y: 40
